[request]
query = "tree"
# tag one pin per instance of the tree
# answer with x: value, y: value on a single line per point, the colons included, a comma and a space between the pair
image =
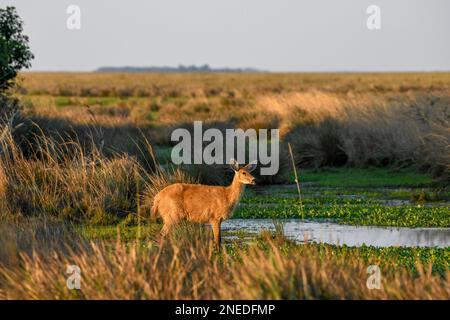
x: 15, y: 53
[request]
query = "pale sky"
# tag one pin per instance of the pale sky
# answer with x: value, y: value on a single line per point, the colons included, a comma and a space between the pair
x: 273, y: 35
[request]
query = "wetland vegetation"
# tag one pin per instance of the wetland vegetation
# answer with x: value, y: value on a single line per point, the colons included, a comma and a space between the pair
x: 87, y: 152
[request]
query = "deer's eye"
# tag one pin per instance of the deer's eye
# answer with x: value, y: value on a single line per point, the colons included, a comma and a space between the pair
x: 244, y: 173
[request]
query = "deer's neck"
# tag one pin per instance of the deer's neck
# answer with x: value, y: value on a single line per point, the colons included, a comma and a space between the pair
x: 235, y: 191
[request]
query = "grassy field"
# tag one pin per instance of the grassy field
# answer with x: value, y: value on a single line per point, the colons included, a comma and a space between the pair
x: 357, y: 120
x: 89, y: 151
x: 130, y: 266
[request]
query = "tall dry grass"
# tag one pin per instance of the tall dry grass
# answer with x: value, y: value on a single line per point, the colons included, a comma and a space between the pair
x: 65, y: 179
x: 186, y: 267
x: 360, y: 120
x: 365, y: 130
x: 83, y: 187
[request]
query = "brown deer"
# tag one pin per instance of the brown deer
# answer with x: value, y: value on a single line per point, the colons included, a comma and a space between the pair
x: 202, y: 203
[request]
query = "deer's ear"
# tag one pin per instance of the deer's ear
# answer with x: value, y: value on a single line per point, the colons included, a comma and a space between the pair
x: 234, y: 164
x: 251, y: 166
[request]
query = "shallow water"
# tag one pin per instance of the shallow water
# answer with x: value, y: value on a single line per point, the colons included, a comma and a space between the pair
x: 338, y: 234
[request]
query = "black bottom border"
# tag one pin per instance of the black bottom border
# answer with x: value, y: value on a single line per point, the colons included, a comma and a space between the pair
x: 225, y: 309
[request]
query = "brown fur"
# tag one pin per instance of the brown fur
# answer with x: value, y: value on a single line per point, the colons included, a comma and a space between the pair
x: 201, y: 203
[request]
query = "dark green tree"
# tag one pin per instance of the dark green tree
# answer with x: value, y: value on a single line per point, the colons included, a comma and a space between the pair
x: 15, y: 53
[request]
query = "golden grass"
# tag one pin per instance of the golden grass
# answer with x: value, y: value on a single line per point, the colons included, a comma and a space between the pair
x: 226, y: 84
x: 186, y: 267
x: 330, y: 119
x: 62, y: 180
x: 366, y: 129
x: 68, y: 180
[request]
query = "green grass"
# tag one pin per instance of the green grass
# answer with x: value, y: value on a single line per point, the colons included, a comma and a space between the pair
x: 371, y: 177
x: 103, y: 101
x: 364, y: 214
x: 64, y: 101
x: 147, y: 231
x: 126, y: 232
x: 414, y: 195
x: 164, y: 154
x: 391, y: 257
x: 307, y: 200
x: 350, y: 204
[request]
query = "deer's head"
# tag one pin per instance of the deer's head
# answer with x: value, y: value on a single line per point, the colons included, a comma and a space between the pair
x: 243, y: 174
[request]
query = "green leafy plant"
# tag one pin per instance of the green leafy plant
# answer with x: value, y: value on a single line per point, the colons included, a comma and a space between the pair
x: 15, y: 53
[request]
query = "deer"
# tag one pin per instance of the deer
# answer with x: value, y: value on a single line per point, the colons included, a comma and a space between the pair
x: 202, y: 203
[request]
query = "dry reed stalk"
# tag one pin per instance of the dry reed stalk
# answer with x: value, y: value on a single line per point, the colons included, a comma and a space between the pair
x: 296, y: 180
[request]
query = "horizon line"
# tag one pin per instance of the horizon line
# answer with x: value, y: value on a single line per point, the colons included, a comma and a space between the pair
x: 236, y: 70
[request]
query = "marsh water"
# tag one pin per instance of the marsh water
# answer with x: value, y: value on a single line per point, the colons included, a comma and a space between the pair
x: 339, y: 234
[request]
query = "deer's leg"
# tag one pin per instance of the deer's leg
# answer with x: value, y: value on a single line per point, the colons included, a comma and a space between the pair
x: 166, y: 229
x: 216, y: 230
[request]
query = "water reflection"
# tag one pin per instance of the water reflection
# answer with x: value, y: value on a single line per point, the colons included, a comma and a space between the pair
x: 332, y: 233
